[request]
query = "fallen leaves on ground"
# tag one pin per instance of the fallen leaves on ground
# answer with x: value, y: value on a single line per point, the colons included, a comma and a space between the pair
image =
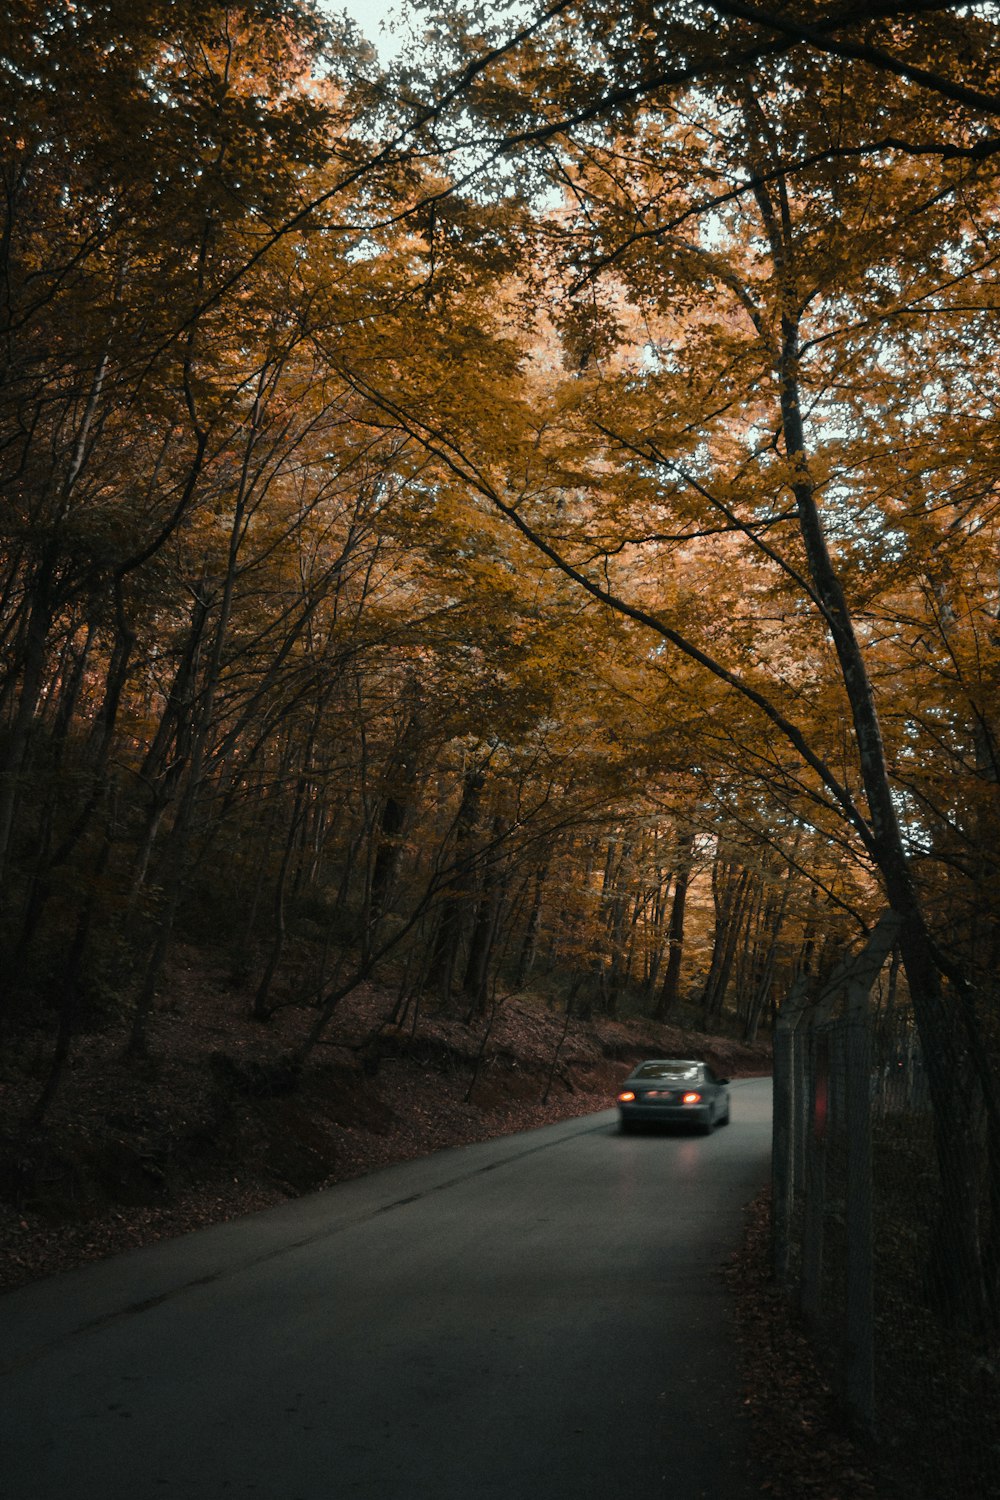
x: 800, y: 1436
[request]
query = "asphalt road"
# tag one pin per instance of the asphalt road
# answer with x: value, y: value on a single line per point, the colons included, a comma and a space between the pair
x: 536, y: 1316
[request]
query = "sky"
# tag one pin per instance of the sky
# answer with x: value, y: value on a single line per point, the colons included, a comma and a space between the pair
x: 369, y: 15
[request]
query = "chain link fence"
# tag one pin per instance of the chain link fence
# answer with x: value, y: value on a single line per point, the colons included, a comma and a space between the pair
x: 857, y: 1205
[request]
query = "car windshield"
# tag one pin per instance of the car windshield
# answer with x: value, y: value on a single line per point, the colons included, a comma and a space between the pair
x: 677, y: 1070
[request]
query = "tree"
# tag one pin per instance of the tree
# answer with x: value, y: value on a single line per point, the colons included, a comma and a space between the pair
x: 733, y: 316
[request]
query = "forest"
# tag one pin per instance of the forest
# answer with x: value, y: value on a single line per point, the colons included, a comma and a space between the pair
x: 521, y: 518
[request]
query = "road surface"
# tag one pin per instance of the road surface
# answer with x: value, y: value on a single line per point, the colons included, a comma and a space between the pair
x: 540, y: 1315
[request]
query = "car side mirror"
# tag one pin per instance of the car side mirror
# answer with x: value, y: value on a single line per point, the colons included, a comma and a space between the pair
x: 723, y: 1080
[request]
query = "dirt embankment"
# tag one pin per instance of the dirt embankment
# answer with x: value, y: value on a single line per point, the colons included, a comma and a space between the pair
x: 204, y: 1131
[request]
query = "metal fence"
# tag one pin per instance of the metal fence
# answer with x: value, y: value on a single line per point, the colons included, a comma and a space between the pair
x: 856, y: 1200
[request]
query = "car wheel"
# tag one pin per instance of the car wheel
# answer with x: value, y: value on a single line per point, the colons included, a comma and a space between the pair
x: 725, y: 1117
x: 627, y: 1127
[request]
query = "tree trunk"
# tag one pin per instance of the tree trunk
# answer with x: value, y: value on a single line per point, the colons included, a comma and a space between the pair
x: 484, y: 928
x: 36, y: 638
x: 529, y: 943
x: 956, y: 1264
x: 728, y: 924
x: 956, y: 1270
x: 670, y: 991
x: 451, y: 922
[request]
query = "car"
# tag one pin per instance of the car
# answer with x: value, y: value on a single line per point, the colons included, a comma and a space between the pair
x: 673, y: 1091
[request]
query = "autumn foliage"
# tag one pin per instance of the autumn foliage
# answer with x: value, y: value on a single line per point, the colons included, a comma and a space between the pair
x: 525, y: 518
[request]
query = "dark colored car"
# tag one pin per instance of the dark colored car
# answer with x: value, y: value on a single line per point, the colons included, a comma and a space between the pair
x: 673, y: 1091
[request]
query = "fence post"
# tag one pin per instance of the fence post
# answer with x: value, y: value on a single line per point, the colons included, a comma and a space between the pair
x: 860, y: 1362
x: 784, y: 1120
x: 853, y: 978
x: 781, y: 1150
x: 800, y: 1150
x: 813, y: 1227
